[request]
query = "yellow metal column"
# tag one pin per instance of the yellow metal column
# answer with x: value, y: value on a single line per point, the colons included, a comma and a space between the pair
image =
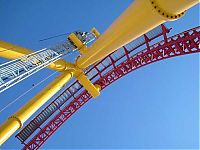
x: 16, y: 121
x: 139, y: 18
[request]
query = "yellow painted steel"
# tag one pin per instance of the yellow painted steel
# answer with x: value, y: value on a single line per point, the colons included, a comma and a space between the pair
x: 87, y: 84
x: 80, y: 76
x: 79, y: 44
x: 176, y: 6
x: 75, y: 40
x: 11, y: 51
x: 83, y: 49
x: 16, y: 121
x: 139, y: 18
x: 59, y: 65
x: 95, y: 32
x: 7, y: 129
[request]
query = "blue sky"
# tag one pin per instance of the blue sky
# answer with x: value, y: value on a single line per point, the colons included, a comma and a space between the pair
x: 154, y: 107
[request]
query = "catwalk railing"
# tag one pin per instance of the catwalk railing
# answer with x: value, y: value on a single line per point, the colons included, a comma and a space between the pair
x: 184, y: 43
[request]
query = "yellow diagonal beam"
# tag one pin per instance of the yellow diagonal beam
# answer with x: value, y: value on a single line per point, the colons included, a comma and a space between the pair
x: 139, y: 18
x: 16, y: 121
x: 12, y: 51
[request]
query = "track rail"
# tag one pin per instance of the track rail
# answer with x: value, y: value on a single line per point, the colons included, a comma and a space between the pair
x: 92, y: 72
x: 181, y: 44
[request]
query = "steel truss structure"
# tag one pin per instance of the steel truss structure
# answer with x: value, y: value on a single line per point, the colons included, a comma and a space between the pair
x: 104, y: 73
x: 90, y: 72
x: 19, y: 69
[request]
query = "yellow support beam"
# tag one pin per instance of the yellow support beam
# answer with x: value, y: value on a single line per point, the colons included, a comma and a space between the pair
x: 140, y: 17
x: 94, y: 90
x: 79, y: 44
x: 82, y: 48
x: 75, y: 40
x: 95, y: 32
x: 175, y: 6
x: 11, y: 51
x: 16, y: 121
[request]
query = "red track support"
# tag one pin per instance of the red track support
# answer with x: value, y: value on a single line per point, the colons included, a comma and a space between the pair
x: 147, y: 41
x: 158, y: 51
x: 165, y: 31
x: 33, y: 125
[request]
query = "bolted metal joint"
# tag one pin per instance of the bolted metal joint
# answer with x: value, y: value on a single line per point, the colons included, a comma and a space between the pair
x: 164, y: 13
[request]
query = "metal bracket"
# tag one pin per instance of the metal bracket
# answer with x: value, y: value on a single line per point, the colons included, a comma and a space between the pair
x: 167, y: 15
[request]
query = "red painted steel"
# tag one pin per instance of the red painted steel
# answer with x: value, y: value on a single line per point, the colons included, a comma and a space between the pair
x: 181, y: 44
x: 126, y: 54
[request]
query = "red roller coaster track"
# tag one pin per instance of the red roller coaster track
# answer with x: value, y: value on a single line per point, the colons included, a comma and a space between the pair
x: 181, y: 44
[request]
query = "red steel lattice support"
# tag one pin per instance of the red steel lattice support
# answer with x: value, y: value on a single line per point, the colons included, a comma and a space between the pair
x: 181, y: 44
x: 110, y: 61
